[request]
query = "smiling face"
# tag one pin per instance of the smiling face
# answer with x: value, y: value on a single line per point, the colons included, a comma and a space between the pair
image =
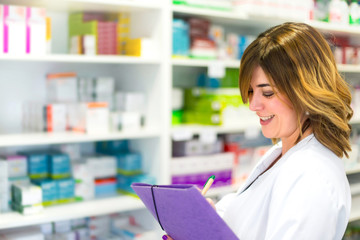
x: 277, y: 116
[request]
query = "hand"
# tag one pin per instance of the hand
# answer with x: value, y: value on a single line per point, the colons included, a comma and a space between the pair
x: 167, y: 237
x: 211, y: 202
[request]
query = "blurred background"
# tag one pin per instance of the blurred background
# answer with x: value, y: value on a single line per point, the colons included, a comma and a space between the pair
x: 98, y: 94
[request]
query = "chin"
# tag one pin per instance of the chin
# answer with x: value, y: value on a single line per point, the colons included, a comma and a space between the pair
x: 268, y: 135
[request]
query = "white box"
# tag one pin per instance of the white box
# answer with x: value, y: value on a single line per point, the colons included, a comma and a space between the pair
x: 30, y: 193
x: 14, y: 30
x: 102, y: 166
x: 202, y: 164
x: 125, y: 121
x: 61, y: 87
x: 76, y: 117
x: 97, y: 118
x: 55, y: 117
x: 35, y: 31
x: 130, y: 101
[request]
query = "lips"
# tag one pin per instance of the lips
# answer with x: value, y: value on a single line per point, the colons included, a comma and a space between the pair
x: 267, y: 117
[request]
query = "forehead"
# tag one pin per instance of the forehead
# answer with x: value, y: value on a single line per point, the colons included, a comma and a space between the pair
x: 259, y: 77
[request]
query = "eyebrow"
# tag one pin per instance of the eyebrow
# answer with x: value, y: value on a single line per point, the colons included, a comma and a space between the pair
x: 263, y: 85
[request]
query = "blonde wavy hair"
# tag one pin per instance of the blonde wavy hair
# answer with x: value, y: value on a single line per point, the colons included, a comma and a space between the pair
x: 298, y: 61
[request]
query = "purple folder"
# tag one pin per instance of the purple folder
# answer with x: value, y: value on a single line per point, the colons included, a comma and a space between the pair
x: 183, y: 212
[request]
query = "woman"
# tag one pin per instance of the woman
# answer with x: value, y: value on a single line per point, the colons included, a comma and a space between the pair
x: 299, y: 189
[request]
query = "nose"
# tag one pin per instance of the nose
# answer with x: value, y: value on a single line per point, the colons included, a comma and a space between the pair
x: 255, y: 103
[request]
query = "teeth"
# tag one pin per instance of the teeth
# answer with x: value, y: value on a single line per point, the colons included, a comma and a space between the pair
x: 267, y: 118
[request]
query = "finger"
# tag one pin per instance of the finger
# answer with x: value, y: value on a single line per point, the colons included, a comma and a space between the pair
x: 211, y: 202
x: 167, y: 237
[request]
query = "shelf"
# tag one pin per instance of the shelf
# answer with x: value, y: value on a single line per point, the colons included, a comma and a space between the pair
x: 99, y: 59
x: 72, y: 211
x: 335, y: 28
x: 188, y: 62
x: 90, y: 5
x: 355, y: 188
x: 194, y: 129
x: 353, y: 170
x: 355, y: 209
x: 27, y: 139
x: 214, y: 14
x: 238, y: 18
x: 348, y: 68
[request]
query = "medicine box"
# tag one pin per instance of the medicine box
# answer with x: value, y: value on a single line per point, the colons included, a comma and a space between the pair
x: 49, y: 191
x: 17, y: 165
x: 26, y: 194
x: 59, y: 166
x: 105, y: 187
x: 196, y: 169
x: 102, y: 166
x: 129, y: 163
x: 112, y: 147
x: 65, y: 190
x: 55, y: 117
x: 35, y: 31
x: 97, y: 118
x: 38, y: 165
x: 124, y: 182
x: 14, y: 27
x: 61, y: 87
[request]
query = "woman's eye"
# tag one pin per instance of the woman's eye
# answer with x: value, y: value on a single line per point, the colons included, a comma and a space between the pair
x: 268, y: 94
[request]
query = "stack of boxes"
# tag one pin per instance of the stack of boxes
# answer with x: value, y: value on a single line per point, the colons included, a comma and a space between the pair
x: 23, y: 30
x: 197, y: 169
x: 103, y: 170
x: 194, y: 161
x: 51, y: 171
x: 128, y: 164
x: 88, y: 105
x: 106, y: 38
x: 207, y: 41
x: 247, y: 151
x: 104, y: 34
x: 201, y: 45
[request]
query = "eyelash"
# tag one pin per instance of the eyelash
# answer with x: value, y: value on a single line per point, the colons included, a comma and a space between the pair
x: 265, y: 94
x: 268, y: 94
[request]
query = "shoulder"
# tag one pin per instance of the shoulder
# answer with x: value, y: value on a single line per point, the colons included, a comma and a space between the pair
x: 313, y: 167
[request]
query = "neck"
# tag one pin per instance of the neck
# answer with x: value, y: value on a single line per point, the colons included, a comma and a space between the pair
x: 289, y: 142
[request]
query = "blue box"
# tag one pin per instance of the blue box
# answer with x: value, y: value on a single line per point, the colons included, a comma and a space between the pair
x: 124, y: 182
x: 129, y: 163
x: 105, y: 188
x: 180, y: 32
x: 65, y: 188
x: 60, y: 166
x: 37, y: 164
x: 49, y: 190
x: 112, y: 147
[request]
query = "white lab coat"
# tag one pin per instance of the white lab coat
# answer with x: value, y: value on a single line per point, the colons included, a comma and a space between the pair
x: 305, y: 195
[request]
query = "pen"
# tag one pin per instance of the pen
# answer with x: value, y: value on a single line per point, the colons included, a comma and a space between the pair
x: 208, y: 184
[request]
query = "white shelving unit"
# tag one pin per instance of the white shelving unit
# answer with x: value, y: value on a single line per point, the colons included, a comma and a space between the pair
x: 23, y: 79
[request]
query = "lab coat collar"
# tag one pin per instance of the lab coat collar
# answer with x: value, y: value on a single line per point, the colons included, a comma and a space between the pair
x: 268, y: 159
